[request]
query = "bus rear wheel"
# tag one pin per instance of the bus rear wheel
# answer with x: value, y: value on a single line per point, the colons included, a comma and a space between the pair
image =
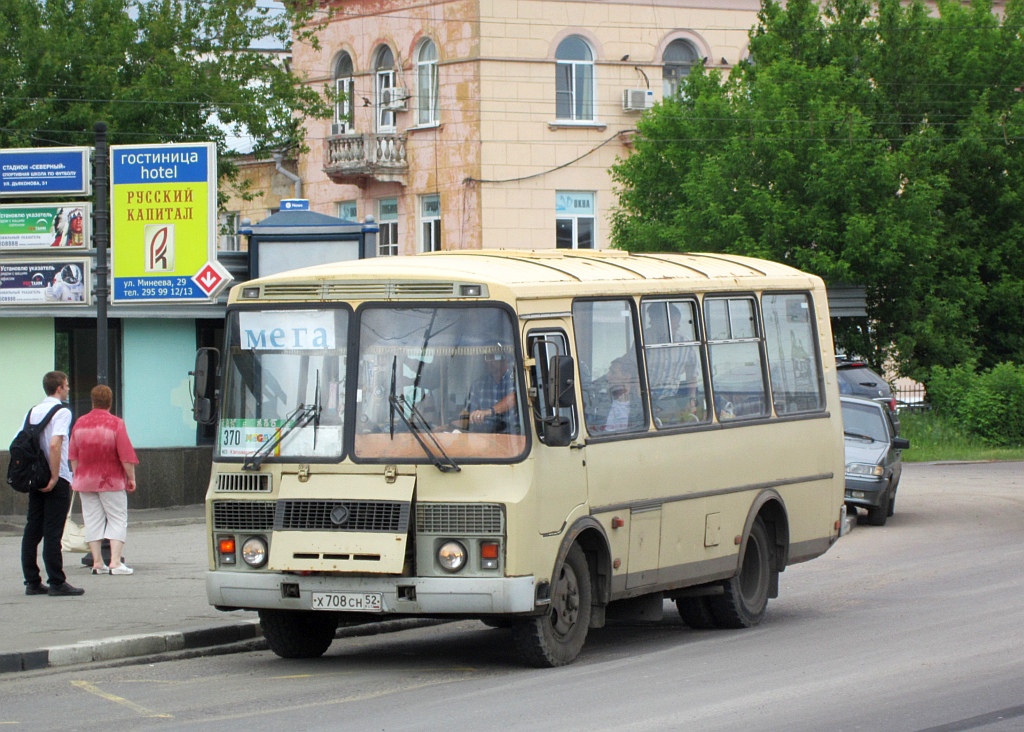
x: 745, y: 599
x: 556, y: 638
x: 298, y: 633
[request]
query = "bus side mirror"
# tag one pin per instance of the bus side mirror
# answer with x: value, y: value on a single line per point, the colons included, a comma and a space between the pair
x: 561, y: 392
x: 204, y: 387
x: 557, y: 432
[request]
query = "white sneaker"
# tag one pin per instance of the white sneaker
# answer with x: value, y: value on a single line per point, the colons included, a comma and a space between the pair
x: 122, y: 568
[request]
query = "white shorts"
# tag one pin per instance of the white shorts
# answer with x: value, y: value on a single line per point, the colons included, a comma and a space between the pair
x: 105, y: 514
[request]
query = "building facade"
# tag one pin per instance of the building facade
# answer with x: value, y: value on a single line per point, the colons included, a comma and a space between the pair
x: 471, y: 124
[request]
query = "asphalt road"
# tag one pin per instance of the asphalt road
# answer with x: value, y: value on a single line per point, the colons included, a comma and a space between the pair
x: 918, y: 625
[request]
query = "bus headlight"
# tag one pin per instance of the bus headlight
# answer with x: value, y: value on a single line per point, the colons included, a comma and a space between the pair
x: 451, y: 556
x: 254, y: 551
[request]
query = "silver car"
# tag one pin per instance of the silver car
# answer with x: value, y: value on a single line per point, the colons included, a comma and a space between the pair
x: 874, y: 457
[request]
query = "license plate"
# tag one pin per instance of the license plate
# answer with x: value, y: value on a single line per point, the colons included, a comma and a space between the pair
x: 363, y: 602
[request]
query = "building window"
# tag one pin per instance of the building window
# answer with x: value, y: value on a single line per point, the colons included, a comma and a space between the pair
x: 228, y: 238
x: 387, y: 219
x: 574, y: 220
x: 384, y: 88
x: 344, y: 88
x: 574, y: 80
x: 427, y: 84
x: 347, y: 211
x: 430, y: 223
x: 678, y: 59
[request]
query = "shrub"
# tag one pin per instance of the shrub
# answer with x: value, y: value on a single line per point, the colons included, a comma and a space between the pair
x: 989, y: 404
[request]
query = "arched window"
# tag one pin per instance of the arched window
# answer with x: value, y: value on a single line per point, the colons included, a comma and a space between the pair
x: 679, y: 58
x: 426, y: 84
x: 574, y: 80
x: 384, y: 89
x: 345, y: 89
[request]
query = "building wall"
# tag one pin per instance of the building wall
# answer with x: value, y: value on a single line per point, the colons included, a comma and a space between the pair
x: 496, y: 157
x: 27, y: 354
x: 158, y: 354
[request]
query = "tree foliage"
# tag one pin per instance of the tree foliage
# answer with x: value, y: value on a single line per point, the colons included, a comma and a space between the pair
x: 154, y: 70
x: 869, y: 143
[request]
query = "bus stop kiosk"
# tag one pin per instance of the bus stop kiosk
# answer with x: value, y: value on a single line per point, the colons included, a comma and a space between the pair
x: 293, y: 239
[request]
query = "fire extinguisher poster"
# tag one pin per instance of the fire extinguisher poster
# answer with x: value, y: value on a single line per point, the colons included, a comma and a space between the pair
x: 163, y: 229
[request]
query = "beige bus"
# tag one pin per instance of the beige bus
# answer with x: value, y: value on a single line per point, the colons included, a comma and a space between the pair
x: 540, y: 440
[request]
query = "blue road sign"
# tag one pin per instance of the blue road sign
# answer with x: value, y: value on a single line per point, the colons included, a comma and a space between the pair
x: 45, y: 171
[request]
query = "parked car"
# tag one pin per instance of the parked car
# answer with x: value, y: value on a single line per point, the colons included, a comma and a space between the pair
x: 857, y: 378
x: 874, y: 457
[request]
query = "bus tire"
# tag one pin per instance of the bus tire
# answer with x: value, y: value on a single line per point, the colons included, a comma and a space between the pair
x: 745, y: 599
x: 695, y: 612
x: 298, y: 633
x: 556, y: 638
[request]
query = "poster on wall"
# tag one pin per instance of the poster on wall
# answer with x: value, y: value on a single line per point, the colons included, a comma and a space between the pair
x: 164, y: 223
x: 45, y: 283
x: 45, y: 226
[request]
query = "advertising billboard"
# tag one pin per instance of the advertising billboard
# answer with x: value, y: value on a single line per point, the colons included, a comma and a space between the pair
x: 50, y: 282
x: 45, y: 226
x: 45, y: 171
x: 163, y: 229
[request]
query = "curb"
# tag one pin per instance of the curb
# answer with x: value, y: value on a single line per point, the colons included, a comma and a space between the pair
x: 128, y: 646
x: 148, y: 645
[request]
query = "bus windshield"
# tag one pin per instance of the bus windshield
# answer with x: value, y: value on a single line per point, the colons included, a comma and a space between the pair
x: 433, y: 385
x: 447, y: 371
x: 285, y: 385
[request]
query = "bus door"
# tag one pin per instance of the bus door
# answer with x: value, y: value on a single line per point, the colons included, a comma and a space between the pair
x: 561, y: 479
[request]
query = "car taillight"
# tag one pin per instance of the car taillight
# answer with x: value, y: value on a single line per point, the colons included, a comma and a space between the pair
x: 892, y: 404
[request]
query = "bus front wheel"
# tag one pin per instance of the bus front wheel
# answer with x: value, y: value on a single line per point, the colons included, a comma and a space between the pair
x: 745, y: 599
x: 298, y: 633
x: 556, y: 638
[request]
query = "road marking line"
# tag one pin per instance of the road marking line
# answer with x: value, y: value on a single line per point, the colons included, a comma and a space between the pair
x: 86, y: 686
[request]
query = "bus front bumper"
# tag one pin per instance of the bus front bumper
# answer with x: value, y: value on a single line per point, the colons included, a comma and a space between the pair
x: 399, y: 595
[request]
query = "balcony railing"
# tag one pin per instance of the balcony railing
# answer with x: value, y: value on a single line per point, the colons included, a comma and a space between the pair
x: 380, y: 156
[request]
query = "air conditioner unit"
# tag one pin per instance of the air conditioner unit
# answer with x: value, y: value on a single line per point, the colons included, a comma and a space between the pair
x: 339, y: 128
x: 393, y: 98
x: 637, y: 100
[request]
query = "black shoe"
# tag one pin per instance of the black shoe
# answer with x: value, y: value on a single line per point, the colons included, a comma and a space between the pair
x: 65, y: 589
x: 37, y: 589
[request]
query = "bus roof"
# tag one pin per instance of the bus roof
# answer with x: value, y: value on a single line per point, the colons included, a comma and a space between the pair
x: 533, y: 273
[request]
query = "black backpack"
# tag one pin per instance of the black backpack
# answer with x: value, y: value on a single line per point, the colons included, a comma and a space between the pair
x: 30, y: 466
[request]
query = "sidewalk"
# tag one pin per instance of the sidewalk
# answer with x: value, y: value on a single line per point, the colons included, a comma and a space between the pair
x: 160, y: 608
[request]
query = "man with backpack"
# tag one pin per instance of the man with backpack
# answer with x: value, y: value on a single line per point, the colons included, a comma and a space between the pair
x: 48, y: 506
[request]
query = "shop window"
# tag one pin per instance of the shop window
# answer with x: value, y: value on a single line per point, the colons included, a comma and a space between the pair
x: 75, y: 354
x: 574, y: 220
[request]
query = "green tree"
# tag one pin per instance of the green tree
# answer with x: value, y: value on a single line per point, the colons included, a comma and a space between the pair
x: 871, y: 144
x: 154, y: 70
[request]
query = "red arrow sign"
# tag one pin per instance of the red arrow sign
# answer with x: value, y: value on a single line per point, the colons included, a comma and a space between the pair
x: 210, y: 278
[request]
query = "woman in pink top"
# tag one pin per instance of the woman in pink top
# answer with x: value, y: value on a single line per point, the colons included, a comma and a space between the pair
x: 103, y: 461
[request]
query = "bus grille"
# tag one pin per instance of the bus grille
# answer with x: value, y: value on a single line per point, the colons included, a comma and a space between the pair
x: 243, y: 515
x: 243, y: 483
x: 460, y: 518
x: 387, y: 516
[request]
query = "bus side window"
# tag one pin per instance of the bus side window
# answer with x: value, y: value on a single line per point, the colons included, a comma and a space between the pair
x: 614, y: 398
x: 735, y: 353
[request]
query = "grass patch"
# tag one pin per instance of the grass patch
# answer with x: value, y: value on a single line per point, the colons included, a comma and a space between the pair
x: 933, y: 439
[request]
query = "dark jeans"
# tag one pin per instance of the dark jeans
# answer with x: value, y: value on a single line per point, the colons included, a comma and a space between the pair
x: 47, y: 513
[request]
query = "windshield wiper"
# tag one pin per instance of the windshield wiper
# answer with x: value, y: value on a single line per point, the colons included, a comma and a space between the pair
x: 869, y: 438
x: 443, y: 463
x: 298, y: 418
x: 316, y: 409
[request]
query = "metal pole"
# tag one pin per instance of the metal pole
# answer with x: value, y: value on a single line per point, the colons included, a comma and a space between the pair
x: 101, y: 237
